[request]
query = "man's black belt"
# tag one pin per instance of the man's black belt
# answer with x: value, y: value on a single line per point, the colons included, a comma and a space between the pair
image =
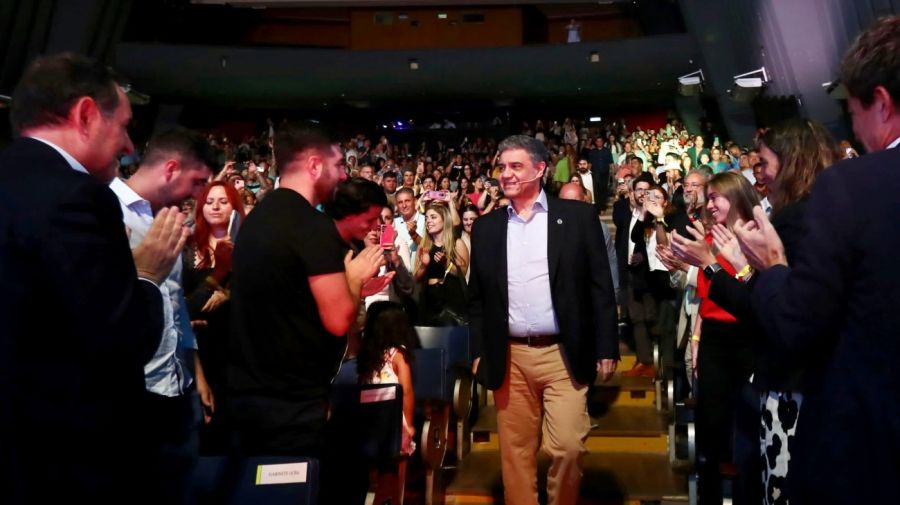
x: 535, y: 340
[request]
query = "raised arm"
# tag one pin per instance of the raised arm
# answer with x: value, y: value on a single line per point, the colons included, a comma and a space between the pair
x: 337, y: 294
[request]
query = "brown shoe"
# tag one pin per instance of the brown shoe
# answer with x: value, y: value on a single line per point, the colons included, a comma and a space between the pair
x: 638, y: 370
x: 649, y: 371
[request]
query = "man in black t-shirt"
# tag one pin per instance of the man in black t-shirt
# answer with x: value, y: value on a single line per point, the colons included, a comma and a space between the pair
x: 295, y: 294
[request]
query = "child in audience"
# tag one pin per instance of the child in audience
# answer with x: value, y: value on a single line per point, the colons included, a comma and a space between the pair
x: 385, y: 357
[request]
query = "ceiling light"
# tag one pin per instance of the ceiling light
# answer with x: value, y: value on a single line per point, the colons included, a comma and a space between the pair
x: 413, y: 64
x: 747, y: 86
x: 691, y: 84
x: 595, y: 57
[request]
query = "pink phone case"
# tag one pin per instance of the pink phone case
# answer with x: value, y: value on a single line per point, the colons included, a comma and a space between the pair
x: 387, y: 235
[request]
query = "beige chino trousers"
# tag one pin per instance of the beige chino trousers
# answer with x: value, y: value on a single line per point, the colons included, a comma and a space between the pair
x: 541, y: 405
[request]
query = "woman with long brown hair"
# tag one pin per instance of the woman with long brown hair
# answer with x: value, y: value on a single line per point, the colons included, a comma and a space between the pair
x: 724, y: 357
x: 441, y: 264
x: 792, y: 155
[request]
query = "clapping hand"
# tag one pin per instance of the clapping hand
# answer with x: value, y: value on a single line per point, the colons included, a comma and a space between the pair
x: 364, y: 266
x: 161, y: 247
x: 654, y: 208
x: 759, y: 242
x: 694, y: 251
x: 376, y: 284
x: 672, y: 264
x: 728, y: 246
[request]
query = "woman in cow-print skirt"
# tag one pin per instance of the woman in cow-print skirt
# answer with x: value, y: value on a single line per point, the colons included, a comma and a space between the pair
x: 779, y: 423
x: 791, y: 156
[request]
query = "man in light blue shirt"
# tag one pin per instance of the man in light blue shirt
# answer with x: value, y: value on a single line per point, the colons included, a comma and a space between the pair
x: 543, y: 323
x: 409, y: 223
x: 176, y: 165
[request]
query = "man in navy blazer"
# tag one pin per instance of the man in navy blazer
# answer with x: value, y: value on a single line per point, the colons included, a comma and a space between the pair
x: 543, y: 322
x: 838, y: 304
x: 80, y: 314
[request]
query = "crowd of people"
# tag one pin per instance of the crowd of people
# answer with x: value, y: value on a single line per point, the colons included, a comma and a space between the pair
x: 200, y: 298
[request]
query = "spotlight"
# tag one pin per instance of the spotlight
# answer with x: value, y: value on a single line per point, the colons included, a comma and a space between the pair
x: 595, y: 57
x: 691, y: 84
x: 595, y: 119
x: 747, y: 86
x: 413, y: 64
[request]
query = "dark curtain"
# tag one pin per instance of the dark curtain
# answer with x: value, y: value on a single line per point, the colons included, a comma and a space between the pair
x: 24, y: 30
x: 29, y: 28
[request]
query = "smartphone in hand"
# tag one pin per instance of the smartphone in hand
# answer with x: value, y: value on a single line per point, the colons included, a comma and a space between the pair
x: 388, y: 235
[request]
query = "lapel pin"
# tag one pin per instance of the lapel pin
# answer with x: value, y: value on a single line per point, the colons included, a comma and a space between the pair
x: 559, y: 221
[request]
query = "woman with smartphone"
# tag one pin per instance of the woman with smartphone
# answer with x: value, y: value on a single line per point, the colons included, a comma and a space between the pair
x: 441, y: 264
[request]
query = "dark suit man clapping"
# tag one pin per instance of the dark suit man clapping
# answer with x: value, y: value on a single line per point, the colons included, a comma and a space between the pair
x: 543, y: 322
x: 77, y: 324
x: 836, y: 306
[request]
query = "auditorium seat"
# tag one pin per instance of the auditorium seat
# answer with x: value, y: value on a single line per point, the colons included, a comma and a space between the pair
x: 274, y: 480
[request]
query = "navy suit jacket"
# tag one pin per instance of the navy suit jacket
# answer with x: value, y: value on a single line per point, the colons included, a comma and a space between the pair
x: 580, y: 284
x: 76, y: 328
x: 839, y: 307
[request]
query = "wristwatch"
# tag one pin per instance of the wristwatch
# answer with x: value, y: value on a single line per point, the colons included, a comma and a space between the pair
x: 710, y: 270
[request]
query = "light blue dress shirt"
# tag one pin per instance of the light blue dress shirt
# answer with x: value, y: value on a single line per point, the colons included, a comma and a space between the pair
x: 403, y: 234
x: 168, y: 373
x: 528, y: 272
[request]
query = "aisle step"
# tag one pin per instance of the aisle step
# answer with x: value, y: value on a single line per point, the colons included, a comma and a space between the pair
x: 624, y: 391
x: 608, y: 478
x: 620, y: 429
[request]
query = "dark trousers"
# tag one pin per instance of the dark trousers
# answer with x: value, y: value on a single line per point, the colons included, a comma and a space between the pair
x: 727, y: 413
x: 602, y: 189
x: 642, y: 310
x: 175, y: 430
